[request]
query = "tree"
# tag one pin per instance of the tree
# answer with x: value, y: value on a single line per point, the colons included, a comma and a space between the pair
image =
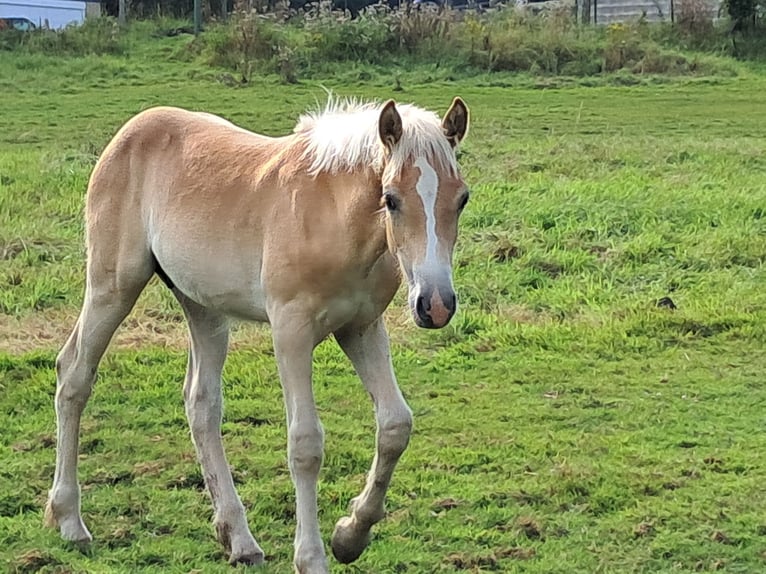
x: 742, y: 13
x: 122, y: 13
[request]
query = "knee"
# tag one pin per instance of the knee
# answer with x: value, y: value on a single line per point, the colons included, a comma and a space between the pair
x: 394, y: 432
x: 203, y: 407
x: 305, y: 447
x: 74, y: 380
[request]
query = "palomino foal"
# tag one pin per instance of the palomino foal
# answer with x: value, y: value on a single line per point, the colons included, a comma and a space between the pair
x: 308, y: 232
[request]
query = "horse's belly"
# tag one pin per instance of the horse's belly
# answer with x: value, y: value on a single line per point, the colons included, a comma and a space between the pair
x: 225, y: 284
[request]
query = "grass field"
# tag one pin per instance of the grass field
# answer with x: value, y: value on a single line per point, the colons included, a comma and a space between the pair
x: 564, y: 423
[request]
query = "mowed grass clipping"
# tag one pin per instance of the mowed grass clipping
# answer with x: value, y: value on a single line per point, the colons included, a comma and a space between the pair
x: 565, y: 422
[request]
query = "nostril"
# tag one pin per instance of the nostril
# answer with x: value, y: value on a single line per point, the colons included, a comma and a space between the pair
x: 452, y: 302
x: 420, y: 306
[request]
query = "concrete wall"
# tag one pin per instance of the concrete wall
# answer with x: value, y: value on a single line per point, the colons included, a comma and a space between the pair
x: 611, y: 11
x: 608, y: 11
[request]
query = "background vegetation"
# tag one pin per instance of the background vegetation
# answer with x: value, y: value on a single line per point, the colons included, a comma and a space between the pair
x: 569, y: 420
x: 319, y: 41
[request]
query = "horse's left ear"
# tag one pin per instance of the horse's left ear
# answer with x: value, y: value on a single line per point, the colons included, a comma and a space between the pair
x: 455, y: 122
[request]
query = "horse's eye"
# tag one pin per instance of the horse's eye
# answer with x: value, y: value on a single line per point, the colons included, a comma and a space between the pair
x: 391, y: 203
x: 463, y: 202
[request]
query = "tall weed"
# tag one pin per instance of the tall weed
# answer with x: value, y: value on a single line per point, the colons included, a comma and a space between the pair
x: 335, y: 36
x: 549, y: 43
x: 424, y: 29
x: 249, y: 42
x: 95, y: 36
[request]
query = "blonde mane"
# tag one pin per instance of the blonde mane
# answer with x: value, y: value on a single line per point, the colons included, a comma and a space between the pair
x: 344, y: 136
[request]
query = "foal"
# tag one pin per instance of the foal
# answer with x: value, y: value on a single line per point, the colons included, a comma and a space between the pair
x: 310, y: 232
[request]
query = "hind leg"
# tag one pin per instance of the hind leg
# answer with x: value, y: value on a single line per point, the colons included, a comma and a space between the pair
x: 209, y: 332
x: 109, y: 297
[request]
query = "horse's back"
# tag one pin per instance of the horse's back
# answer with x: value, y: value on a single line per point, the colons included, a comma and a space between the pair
x: 168, y: 129
x: 164, y: 152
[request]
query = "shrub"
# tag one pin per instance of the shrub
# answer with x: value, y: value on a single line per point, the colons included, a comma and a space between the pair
x: 94, y: 36
x: 334, y: 36
x: 11, y: 39
x: 549, y: 43
x: 248, y: 42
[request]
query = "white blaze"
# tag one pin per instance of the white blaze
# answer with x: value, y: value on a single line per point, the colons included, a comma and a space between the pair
x: 427, y: 188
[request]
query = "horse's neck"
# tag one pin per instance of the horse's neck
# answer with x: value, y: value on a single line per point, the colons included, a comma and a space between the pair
x: 358, y: 197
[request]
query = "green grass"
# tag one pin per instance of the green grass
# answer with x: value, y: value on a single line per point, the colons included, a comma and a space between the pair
x: 564, y: 422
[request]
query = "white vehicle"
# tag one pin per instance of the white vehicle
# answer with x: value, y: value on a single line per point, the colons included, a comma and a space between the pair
x: 53, y: 14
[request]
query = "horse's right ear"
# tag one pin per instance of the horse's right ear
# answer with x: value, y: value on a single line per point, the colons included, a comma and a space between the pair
x: 390, y: 125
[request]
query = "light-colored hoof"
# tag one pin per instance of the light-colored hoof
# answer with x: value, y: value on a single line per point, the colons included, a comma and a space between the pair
x: 319, y: 567
x: 74, y: 530
x: 311, y: 559
x: 348, y: 541
x: 71, y: 528
x: 251, y: 557
x: 239, y: 544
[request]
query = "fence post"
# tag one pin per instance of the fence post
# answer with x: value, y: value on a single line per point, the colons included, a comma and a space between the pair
x: 197, y: 16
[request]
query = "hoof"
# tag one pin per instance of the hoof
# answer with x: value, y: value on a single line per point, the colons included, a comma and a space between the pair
x: 310, y: 558
x: 318, y: 566
x: 72, y: 528
x: 348, y: 542
x: 76, y: 533
x: 251, y: 558
x: 240, y: 545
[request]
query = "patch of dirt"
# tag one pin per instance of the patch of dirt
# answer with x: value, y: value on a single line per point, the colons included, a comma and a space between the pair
x: 603, y: 254
x: 527, y: 498
x: 517, y: 552
x: 666, y: 303
x: 11, y: 249
x: 152, y: 468
x: 111, y: 478
x: 465, y: 561
x: 446, y: 504
x: 524, y: 315
x: 720, y: 537
x: 43, y: 441
x: 643, y: 529
x: 32, y: 561
x: 505, y: 251
x: 92, y: 445
x: 530, y: 527
x: 120, y: 537
x: 193, y: 481
x: 251, y: 420
x: 50, y: 328
x: 550, y: 268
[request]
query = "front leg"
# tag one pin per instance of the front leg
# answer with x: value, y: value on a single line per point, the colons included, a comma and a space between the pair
x: 293, y: 347
x: 370, y: 354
